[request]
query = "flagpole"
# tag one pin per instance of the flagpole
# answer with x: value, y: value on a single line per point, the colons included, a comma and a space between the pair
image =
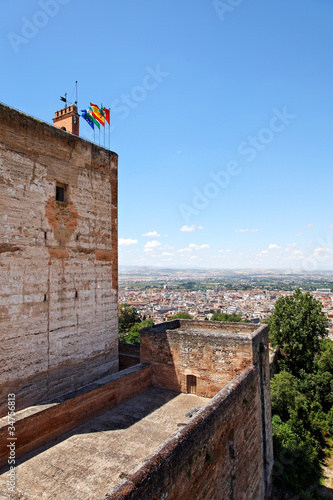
x: 109, y: 128
x: 76, y: 102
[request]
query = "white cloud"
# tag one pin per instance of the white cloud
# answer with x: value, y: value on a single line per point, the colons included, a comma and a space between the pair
x: 151, y: 245
x: 126, y: 242
x: 273, y: 246
x: 292, y: 245
x: 152, y: 234
x: 309, y: 226
x: 200, y: 227
x: 298, y: 234
x: 188, y: 229
x: 168, y: 254
x: 322, y: 251
x: 297, y: 254
x: 193, y: 247
x: 226, y: 250
x: 246, y: 230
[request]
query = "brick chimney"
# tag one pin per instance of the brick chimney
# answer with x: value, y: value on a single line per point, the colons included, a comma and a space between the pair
x: 67, y: 119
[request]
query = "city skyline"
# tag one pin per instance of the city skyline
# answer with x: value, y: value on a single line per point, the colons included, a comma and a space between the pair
x: 220, y: 115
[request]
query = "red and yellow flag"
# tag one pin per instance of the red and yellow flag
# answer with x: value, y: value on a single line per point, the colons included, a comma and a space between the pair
x: 97, y: 113
x: 106, y: 113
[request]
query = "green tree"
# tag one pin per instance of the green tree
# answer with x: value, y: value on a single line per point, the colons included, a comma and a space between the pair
x: 218, y: 316
x: 296, y: 462
x: 127, y: 317
x: 133, y: 336
x: 182, y: 315
x: 299, y: 429
x: 284, y: 392
x: 296, y: 327
x: 318, y: 385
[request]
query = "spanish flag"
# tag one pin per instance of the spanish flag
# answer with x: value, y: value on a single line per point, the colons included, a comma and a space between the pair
x: 97, y: 113
x: 91, y: 114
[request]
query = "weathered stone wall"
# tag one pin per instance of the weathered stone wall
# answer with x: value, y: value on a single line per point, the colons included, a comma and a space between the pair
x: 214, y: 352
x: 129, y: 355
x: 58, y: 261
x: 37, y: 426
x: 219, y: 455
x: 261, y: 359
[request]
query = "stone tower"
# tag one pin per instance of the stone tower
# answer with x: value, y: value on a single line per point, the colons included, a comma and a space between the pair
x: 67, y: 119
x: 58, y: 258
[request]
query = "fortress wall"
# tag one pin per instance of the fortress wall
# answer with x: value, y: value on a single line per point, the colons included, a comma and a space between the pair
x: 214, y: 352
x: 129, y: 355
x: 218, y: 455
x: 58, y: 261
x: 37, y: 426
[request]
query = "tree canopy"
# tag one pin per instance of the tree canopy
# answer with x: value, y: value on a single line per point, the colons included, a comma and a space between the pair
x: 133, y: 336
x: 235, y: 317
x: 182, y: 315
x: 302, y: 391
x: 130, y: 323
x: 296, y: 327
x: 127, y: 317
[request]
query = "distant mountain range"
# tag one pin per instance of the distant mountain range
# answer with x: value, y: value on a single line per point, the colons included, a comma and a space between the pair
x: 158, y: 271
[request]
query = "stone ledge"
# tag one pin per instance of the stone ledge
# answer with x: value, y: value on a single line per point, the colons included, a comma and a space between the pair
x: 38, y: 425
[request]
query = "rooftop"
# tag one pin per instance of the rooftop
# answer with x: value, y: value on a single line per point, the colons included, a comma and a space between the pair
x: 89, y: 461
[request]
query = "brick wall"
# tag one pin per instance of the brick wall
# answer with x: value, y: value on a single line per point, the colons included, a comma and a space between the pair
x: 213, y: 352
x: 129, y: 355
x: 219, y: 455
x: 233, y: 360
x: 58, y: 261
x: 37, y: 426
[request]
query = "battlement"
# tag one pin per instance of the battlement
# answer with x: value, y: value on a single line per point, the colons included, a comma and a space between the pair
x: 199, y: 356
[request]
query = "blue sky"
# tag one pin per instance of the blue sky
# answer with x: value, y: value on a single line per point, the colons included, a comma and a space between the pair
x: 221, y: 117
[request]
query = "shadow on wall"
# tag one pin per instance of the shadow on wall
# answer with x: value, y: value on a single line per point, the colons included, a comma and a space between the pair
x: 119, y: 418
x: 156, y: 348
x: 197, y: 357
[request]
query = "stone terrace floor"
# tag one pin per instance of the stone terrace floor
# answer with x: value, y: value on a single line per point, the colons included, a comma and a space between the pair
x: 86, y: 463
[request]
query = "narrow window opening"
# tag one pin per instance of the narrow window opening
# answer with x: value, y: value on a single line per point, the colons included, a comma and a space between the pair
x: 45, y: 235
x: 75, y: 294
x: 191, y: 384
x: 61, y: 192
x: 77, y: 237
x: 45, y: 297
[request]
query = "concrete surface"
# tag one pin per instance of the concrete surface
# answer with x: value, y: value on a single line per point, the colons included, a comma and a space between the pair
x: 93, y: 458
